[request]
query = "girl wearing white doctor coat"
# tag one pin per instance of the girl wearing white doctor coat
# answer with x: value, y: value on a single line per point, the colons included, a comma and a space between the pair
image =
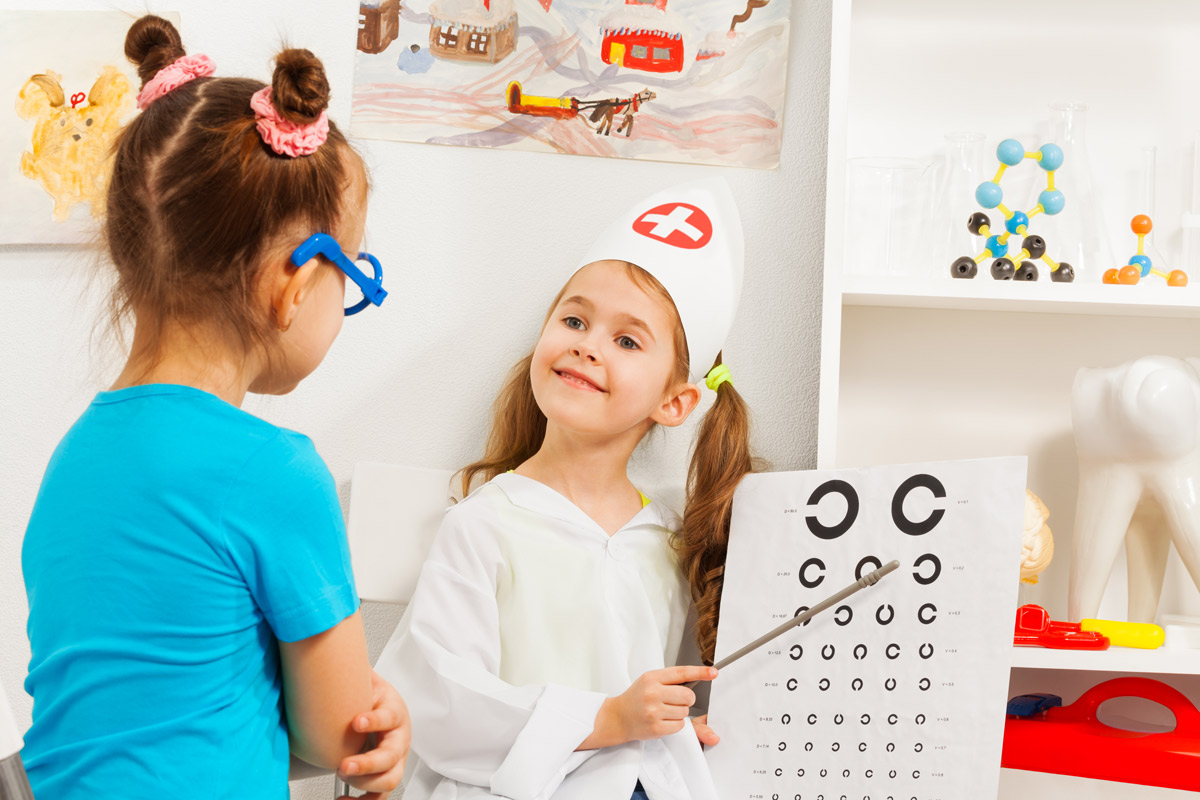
x: 538, y: 653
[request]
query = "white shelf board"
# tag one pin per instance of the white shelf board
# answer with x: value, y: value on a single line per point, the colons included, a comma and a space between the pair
x: 1114, y: 659
x: 985, y: 294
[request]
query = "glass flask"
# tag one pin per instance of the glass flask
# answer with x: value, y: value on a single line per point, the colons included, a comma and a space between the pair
x: 884, y: 216
x: 1076, y: 235
x: 951, y: 200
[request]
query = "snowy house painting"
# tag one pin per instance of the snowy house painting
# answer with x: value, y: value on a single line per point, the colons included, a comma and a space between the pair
x: 473, y: 30
x: 643, y: 35
x: 694, y: 81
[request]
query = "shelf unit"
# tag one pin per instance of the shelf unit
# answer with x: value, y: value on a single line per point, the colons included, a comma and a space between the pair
x: 917, y: 369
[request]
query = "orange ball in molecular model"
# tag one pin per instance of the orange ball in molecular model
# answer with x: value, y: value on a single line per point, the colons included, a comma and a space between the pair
x: 1141, y: 225
x: 1110, y: 276
x: 1129, y: 274
x: 1177, y: 278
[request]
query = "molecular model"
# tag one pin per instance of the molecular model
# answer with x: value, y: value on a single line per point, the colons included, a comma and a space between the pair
x: 1010, y: 152
x: 1139, y: 265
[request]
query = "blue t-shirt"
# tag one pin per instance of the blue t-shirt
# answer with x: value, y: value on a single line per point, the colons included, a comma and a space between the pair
x: 174, y: 539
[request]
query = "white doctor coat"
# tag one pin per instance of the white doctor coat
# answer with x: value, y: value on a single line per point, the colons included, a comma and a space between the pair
x: 527, y: 615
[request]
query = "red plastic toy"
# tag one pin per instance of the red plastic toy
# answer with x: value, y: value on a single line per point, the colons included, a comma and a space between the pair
x: 1034, y: 628
x: 1071, y: 741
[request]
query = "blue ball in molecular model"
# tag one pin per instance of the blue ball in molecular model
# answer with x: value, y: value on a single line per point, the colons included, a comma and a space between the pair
x: 1143, y: 262
x: 996, y: 247
x: 1017, y: 221
x: 1010, y: 152
x: 1052, y: 157
x: 989, y: 194
x: 1052, y: 201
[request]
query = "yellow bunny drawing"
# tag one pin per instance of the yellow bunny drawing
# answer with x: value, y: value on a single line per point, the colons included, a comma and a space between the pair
x: 71, y: 144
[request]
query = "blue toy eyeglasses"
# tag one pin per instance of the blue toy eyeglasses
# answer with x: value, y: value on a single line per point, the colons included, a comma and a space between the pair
x: 325, y: 245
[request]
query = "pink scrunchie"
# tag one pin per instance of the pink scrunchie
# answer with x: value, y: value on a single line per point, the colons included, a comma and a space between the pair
x: 282, y: 135
x: 174, y: 75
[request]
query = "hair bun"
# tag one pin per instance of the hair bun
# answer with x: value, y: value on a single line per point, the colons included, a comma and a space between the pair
x: 299, y: 88
x: 152, y: 43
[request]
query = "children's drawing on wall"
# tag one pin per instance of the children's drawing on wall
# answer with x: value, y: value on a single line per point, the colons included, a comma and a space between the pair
x: 697, y: 81
x: 65, y: 88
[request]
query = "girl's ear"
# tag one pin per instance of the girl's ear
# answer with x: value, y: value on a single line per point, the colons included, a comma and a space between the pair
x: 289, y: 287
x: 678, y: 404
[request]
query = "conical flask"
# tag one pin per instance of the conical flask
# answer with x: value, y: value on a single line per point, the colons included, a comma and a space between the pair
x: 952, y: 200
x: 1077, y: 234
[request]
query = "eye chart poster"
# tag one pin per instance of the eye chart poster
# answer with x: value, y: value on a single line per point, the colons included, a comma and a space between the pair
x: 899, y: 693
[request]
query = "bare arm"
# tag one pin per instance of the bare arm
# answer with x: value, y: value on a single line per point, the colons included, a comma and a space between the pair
x: 326, y: 682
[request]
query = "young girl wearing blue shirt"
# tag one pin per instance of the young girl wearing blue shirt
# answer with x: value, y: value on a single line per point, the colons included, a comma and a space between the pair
x: 192, y: 614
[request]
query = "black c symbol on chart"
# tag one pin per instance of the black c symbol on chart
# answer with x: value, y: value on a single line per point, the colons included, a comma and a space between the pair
x: 890, y: 684
x: 800, y: 611
x: 812, y: 583
x: 849, y: 615
x: 869, y: 773
x: 823, y: 684
x: 891, y: 613
x: 783, y: 745
x: 812, y: 719
x: 862, y: 747
x: 833, y: 531
x: 795, y: 651
x: 838, y: 719
x: 808, y: 746
x: 891, y: 773
x: 778, y: 772
x: 892, y: 651
x: 924, y: 684
x: 920, y: 719
x: 918, y: 747
x: 903, y: 523
x: 925, y: 651
x: 856, y: 684
x: 891, y: 747
x: 792, y: 684
x: 786, y: 719
x: 858, y: 570
x: 925, y: 580
x: 929, y: 608
x: 827, y: 652
x: 865, y: 719
x: 916, y: 774
x: 893, y: 719
x: 860, y: 652
x: 835, y: 747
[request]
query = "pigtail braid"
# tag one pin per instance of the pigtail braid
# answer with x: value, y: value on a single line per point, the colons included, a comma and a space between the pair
x: 720, y: 460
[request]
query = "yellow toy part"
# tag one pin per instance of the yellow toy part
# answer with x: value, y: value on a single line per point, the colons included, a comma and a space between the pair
x: 1126, y: 634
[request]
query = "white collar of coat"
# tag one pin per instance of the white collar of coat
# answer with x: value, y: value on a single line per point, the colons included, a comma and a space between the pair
x: 539, y: 498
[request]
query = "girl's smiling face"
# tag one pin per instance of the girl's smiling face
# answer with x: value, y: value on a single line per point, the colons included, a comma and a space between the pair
x: 606, y: 359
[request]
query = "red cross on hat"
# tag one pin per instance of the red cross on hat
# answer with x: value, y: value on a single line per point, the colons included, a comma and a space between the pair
x: 677, y: 224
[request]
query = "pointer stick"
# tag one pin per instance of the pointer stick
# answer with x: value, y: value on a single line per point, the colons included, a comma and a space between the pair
x: 870, y: 579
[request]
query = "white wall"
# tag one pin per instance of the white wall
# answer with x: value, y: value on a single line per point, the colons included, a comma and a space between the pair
x: 412, y: 382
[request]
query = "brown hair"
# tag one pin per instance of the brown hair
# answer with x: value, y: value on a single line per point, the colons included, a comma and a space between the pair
x: 197, y: 200
x: 720, y: 459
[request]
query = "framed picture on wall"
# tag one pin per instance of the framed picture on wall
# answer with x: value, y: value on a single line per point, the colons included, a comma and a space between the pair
x: 67, y: 88
x: 700, y: 81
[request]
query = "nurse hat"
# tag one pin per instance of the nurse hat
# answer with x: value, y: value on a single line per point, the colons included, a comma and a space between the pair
x: 689, y: 237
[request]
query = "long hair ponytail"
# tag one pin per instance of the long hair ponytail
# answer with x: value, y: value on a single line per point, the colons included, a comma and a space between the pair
x: 720, y: 460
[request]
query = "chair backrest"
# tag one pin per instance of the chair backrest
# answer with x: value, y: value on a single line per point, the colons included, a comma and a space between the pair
x: 395, y: 512
x: 13, y: 783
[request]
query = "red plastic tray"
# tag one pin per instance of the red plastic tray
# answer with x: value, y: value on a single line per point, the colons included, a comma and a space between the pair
x: 1071, y: 741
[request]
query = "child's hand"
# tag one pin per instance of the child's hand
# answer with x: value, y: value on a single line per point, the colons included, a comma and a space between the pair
x: 705, y: 734
x: 379, y: 771
x: 653, y: 707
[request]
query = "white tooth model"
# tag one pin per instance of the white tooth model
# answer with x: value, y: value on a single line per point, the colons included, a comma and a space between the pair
x: 1037, y: 542
x: 1137, y: 434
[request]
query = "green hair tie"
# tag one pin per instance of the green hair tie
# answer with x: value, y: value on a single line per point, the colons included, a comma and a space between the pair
x: 718, y: 375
